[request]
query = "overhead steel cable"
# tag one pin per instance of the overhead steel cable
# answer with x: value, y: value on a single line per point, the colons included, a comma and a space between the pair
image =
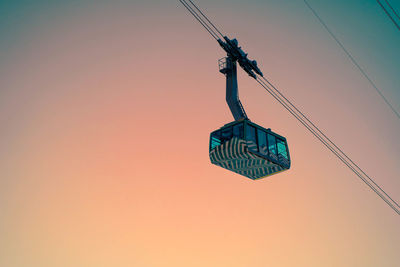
x: 206, y: 18
x: 388, y: 200
x: 196, y: 16
x: 310, y: 126
x: 329, y: 140
x: 332, y: 147
x: 388, y: 14
x: 394, y: 11
x: 352, y: 59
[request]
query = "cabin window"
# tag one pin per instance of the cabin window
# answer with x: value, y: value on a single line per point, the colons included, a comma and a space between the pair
x: 251, y: 137
x: 262, y: 141
x: 238, y: 130
x: 215, y: 139
x: 226, y: 134
x: 282, y: 148
x: 271, y: 144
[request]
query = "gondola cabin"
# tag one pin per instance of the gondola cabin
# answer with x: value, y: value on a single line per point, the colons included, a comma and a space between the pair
x: 249, y: 149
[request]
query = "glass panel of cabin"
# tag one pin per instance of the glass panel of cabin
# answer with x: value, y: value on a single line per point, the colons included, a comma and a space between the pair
x: 251, y: 137
x: 282, y: 148
x: 215, y: 140
x: 226, y: 134
x: 238, y: 130
x: 262, y: 141
x: 271, y: 144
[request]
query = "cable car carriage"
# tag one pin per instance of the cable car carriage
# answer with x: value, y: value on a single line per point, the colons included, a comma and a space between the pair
x: 243, y: 146
x: 249, y: 149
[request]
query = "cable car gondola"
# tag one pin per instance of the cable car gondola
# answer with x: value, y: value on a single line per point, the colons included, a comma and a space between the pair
x: 243, y: 146
x: 249, y: 149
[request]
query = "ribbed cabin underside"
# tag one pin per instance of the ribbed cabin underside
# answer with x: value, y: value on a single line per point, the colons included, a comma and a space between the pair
x: 234, y: 156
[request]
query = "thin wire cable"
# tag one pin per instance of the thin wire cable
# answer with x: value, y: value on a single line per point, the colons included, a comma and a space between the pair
x: 352, y: 59
x: 309, y: 125
x: 388, y: 14
x: 394, y: 11
x: 210, y: 31
x: 206, y: 18
x: 199, y: 19
x: 330, y: 147
x: 329, y: 140
x: 321, y: 135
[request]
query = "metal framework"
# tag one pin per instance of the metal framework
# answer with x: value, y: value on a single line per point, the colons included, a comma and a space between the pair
x: 228, y: 67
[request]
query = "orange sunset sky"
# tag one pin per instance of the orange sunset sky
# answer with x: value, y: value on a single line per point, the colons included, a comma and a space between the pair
x: 106, y: 109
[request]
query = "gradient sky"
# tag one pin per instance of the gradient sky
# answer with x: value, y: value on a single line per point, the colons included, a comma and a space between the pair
x: 106, y: 109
